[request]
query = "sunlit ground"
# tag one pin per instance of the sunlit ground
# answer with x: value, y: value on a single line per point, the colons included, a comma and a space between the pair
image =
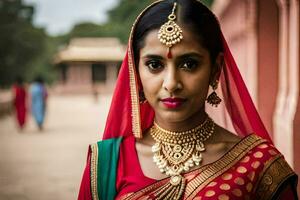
x: 49, y: 164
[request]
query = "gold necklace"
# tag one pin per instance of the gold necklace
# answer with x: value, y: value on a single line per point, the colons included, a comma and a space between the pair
x: 177, y: 152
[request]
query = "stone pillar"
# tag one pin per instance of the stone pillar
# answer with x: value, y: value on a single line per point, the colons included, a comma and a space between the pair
x: 295, y: 81
x: 284, y: 112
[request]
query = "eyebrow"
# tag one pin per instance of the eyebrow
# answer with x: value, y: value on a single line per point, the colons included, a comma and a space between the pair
x: 183, y: 56
x: 187, y: 55
x: 153, y: 56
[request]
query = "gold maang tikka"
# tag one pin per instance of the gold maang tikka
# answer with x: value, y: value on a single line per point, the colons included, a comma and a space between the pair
x: 170, y: 33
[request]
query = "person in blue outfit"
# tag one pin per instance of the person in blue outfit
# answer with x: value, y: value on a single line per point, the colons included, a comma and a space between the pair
x: 39, y: 95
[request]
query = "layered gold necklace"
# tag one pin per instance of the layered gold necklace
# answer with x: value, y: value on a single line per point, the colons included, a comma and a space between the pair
x: 177, y: 152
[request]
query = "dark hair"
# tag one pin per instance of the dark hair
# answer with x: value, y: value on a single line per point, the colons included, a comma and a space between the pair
x: 19, y: 80
x: 39, y: 79
x: 192, y: 14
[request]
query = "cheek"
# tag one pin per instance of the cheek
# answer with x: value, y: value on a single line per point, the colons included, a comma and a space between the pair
x: 150, y: 83
x: 199, y: 92
x: 198, y: 85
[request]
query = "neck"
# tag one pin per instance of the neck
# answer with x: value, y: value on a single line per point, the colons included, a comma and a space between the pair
x: 184, y: 125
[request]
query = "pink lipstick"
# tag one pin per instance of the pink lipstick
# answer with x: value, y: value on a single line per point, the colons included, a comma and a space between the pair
x: 173, y: 102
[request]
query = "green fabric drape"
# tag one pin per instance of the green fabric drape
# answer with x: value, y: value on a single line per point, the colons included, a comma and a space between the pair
x: 108, y: 154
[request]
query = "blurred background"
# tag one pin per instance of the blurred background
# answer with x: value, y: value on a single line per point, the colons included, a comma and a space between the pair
x: 59, y: 61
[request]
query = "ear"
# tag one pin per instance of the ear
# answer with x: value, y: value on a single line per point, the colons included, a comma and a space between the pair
x: 217, y: 68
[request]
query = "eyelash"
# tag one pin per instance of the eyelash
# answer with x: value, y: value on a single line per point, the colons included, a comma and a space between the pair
x: 187, y: 64
x: 154, y: 65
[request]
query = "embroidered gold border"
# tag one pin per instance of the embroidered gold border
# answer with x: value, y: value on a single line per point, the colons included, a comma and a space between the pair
x: 266, y: 166
x: 268, y: 181
x: 217, y: 168
x: 136, y: 195
x: 136, y: 118
x: 209, y: 172
x: 94, y: 167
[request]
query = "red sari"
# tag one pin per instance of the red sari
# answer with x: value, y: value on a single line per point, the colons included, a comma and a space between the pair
x: 20, y: 104
x: 252, y: 169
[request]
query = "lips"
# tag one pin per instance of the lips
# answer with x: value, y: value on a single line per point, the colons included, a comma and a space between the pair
x: 173, y: 102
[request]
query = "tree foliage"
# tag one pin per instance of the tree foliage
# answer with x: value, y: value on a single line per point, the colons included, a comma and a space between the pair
x: 120, y: 20
x: 20, y: 41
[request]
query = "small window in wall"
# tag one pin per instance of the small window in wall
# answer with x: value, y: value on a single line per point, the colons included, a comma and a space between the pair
x: 99, y: 72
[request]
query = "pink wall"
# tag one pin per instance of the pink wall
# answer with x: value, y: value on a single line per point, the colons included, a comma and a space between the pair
x: 269, y: 29
x: 268, y: 54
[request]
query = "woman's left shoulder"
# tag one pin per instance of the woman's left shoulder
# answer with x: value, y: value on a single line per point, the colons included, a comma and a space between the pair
x: 270, y: 166
x: 263, y: 155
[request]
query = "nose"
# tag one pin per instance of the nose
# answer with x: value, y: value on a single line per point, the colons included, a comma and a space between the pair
x: 171, y: 81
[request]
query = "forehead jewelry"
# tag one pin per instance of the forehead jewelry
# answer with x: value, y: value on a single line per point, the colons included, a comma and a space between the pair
x: 170, y: 33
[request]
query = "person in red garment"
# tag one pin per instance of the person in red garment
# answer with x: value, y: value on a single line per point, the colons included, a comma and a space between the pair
x: 19, y: 102
x: 171, y: 132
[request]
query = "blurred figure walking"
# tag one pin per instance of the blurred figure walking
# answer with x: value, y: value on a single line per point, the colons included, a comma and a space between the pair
x: 39, y: 95
x: 19, y: 102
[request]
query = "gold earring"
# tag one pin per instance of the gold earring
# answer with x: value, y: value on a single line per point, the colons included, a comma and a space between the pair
x: 213, y: 98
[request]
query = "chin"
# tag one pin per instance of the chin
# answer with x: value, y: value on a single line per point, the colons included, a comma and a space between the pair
x: 174, y: 117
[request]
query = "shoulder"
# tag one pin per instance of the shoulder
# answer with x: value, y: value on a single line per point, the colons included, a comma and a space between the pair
x: 274, y: 173
x: 264, y: 166
x: 107, y: 145
x: 103, y: 158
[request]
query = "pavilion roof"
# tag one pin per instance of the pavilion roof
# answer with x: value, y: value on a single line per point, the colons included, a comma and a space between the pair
x: 91, y: 50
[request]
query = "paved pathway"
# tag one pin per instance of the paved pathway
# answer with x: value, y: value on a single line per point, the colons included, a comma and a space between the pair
x: 48, y: 165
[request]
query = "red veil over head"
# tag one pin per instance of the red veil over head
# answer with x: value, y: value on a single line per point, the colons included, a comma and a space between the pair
x: 236, y: 112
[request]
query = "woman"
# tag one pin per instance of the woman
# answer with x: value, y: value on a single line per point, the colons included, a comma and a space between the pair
x: 161, y: 141
x: 20, y: 96
x: 38, y: 101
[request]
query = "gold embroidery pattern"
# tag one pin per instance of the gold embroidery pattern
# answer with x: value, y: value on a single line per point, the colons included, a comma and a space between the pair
x: 207, y: 173
x: 94, y: 167
x: 140, y: 193
x: 275, y: 172
x: 219, y: 167
x: 135, y: 106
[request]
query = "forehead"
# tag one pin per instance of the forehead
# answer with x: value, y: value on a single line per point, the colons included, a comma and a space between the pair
x: 189, y: 43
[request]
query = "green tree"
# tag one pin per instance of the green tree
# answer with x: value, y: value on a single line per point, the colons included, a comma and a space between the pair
x: 20, y: 42
x: 120, y: 20
x: 123, y: 15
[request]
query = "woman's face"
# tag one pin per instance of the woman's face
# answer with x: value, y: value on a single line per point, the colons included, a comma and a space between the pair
x: 176, y: 87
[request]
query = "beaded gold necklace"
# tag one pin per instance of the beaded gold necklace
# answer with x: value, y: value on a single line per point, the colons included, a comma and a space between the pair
x: 177, y: 152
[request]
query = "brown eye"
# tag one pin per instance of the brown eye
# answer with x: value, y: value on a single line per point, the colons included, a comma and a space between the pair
x: 189, y: 64
x: 154, y: 65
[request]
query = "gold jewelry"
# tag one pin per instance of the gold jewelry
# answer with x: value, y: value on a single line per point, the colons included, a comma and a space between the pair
x: 213, y: 98
x: 170, y: 33
x: 177, y: 152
